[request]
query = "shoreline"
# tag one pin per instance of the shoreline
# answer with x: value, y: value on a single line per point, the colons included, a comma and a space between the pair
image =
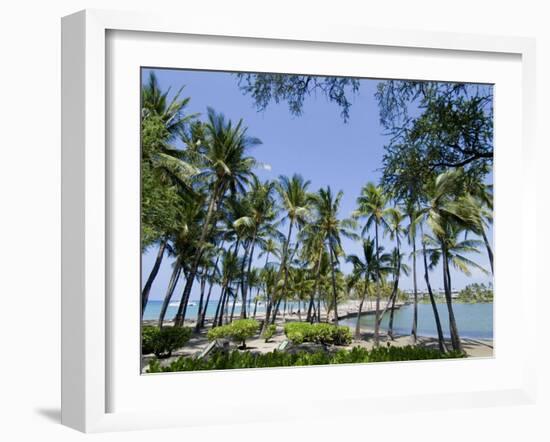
x: 473, y: 347
x: 351, y: 308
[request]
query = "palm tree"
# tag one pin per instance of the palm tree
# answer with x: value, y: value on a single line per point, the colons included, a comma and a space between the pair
x: 413, y: 215
x: 171, y: 119
x: 440, y: 337
x: 481, y: 201
x: 259, y: 222
x: 296, y: 202
x: 154, y: 101
x: 227, y: 168
x: 184, y: 243
x: 331, y: 229
x: 398, y: 267
x: 312, y: 253
x: 254, y: 282
x: 229, y: 269
x: 365, y: 269
x: 448, y: 210
x: 372, y: 206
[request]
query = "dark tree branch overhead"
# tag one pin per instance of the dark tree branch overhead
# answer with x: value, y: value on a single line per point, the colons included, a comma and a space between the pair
x: 265, y: 88
x: 477, y: 156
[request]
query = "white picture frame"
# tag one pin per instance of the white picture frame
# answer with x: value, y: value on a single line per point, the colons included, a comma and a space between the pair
x: 86, y: 206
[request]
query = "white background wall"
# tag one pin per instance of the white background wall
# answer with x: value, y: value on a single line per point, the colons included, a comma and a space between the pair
x: 30, y: 214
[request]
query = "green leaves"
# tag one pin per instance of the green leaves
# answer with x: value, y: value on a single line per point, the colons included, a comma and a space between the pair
x: 238, y: 331
x: 320, y: 333
x: 162, y: 342
x: 237, y: 359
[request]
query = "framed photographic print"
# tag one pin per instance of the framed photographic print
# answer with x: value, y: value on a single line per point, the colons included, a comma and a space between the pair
x: 249, y: 211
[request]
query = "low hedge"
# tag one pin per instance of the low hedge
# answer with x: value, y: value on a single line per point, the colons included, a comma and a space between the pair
x: 162, y: 342
x: 269, y: 332
x: 236, y: 359
x: 238, y: 331
x: 321, y: 333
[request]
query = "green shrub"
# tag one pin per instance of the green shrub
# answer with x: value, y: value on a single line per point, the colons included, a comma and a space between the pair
x: 322, y: 333
x: 342, y: 335
x: 148, y: 336
x: 162, y: 342
x: 236, y: 359
x: 238, y: 331
x: 269, y: 332
x: 243, y: 329
x: 217, y: 333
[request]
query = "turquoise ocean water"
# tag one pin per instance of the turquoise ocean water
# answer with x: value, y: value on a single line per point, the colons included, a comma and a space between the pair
x: 152, y: 311
x: 474, y: 320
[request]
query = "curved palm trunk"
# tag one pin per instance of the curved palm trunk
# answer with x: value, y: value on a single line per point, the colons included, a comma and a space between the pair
x: 212, y: 206
x: 488, y: 247
x: 169, y: 292
x: 335, y: 300
x: 154, y: 272
x: 415, y: 288
x: 440, y: 337
x: 455, y: 338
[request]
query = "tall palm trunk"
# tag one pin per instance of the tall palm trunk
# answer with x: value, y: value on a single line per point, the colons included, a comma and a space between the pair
x: 201, y: 315
x: 455, y: 338
x: 212, y: 207
x: 246, y: 285
x: 284, y: 269
x: 440, y: 337
x: 233, y: 308
x: 395, y: 288
x: 358, y: 323
x: 201, y: 299
x: 275, y: 310
x: 392, y: 308
x: 377, y: 317
x: 242, y: 283
x: 219, y: 307
x: 488, y: 247
x: 154, y: 271
x: 309, y: 317
x: 415, y: 288
x: 256, y: 303
x: 335, y: 300
x: 169, y: 292
x: 225, y: 310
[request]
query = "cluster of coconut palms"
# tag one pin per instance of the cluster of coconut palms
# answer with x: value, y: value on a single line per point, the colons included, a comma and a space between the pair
x: 246, y: 241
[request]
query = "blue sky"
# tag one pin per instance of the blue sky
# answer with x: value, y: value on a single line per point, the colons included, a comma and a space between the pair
x: 318, y: 145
